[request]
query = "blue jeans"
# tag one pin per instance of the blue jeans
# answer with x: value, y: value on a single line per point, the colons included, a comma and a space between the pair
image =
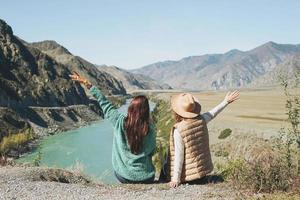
x: 124, y: 180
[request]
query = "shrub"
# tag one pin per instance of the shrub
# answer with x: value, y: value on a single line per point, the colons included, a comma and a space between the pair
x: 232, y: 169
x: 225, y: 133
x: 257, y: 176
x: 253, y: 164
x: 221, y: 153
x: 37, y: 160
x: 164, y: 121
x: 289, y: 137
x: 14, y: 141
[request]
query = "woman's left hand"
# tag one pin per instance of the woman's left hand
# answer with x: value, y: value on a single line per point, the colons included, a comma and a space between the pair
x: 232, y: 96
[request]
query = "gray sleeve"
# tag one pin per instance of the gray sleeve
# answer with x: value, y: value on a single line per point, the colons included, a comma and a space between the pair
x: 208, y: 116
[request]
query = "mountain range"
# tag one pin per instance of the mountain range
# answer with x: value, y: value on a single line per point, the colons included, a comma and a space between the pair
x: 133, y: 81
x: 232, y: 69
x: 36, y: 90
x: 34, y: 86
x: 109, y: 78
x: 107, y: 83
x: 31, y: 78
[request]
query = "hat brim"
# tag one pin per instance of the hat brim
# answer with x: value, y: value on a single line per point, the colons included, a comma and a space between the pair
x: 177, y: 108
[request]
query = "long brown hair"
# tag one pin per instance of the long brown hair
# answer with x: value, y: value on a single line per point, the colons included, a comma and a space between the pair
x: 137, y: 123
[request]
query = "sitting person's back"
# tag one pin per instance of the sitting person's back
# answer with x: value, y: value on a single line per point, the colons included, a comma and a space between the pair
x: 134, y: 137
x: 189, y: 157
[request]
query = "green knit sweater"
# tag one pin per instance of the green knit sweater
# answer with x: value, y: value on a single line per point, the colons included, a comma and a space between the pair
x: 130, y: 166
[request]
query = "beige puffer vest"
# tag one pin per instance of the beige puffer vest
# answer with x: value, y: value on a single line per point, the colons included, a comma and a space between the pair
x: 197, y: 159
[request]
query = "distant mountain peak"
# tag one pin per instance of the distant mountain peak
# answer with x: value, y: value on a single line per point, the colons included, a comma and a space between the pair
x: 53, y: 43
x: 233, y: 51
x: 276, y: 47
x: 47, y: 45
x: 271, y: 43
x: 133, y: 81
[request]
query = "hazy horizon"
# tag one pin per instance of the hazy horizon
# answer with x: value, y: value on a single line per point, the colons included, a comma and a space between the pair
x: 137, y: 33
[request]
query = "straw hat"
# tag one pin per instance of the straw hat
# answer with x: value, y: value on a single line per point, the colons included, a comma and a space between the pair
x: 186, y: 105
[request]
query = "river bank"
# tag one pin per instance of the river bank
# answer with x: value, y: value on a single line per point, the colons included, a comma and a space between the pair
x: 57, y: 120
x: 88, y: 147
x: 45, y: 121
x: 61, y: 119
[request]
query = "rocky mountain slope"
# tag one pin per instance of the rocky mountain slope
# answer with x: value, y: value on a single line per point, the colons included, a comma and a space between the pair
x: 112, y: 79
x: 30, y: 80
x: 133, y: 81
x: 221, y: 71
x: 105, y: 81
x: 287, y: 69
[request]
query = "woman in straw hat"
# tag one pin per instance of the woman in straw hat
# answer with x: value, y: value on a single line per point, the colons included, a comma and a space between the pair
x: 189, y: 158
x: 134, y: 136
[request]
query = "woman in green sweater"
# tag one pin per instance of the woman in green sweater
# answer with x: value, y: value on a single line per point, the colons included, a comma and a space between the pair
x: 134, y: 136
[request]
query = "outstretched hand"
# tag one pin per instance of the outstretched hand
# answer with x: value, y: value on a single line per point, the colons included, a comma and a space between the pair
x: 76, y: 77
x: 232, y: 96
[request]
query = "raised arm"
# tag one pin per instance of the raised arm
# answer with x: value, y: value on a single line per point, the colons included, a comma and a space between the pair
x: 229, y: 98
x: 109, y: 111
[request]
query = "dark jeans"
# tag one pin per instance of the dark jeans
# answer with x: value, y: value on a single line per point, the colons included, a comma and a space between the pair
x: 163, y: 174
x: 124, y: 180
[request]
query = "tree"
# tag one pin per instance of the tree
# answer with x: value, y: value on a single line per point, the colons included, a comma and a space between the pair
x: 290, y: 136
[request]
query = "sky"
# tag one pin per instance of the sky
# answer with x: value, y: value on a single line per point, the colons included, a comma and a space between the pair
x: 134, y: 33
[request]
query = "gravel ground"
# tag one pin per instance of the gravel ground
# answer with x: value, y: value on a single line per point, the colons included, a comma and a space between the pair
x: 45, y: 183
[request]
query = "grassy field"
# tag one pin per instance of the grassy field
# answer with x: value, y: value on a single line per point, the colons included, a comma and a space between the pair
x: 260, y: 112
